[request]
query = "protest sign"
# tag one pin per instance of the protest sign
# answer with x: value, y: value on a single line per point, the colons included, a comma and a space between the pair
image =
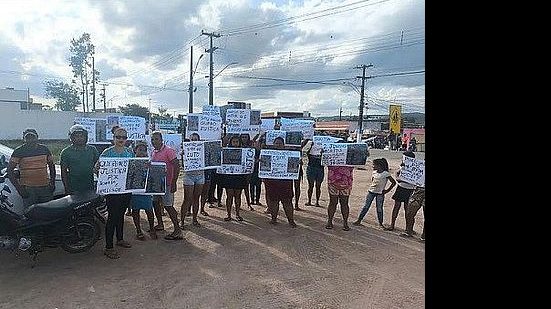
x: 413, y: 171
x: 237, y: 161
x: 344, y: 154
x: 211, y: 110
x: 200, y: 155
x: 319, y: 140
x: 173, y: 141
x: 290, y: 138
x: 134, y: 126
x: 303, y: 125
x: 239, y: 121
x: 267, y: 125
x: 279, y: 164
x: 156, y: 179
x: 96, y: 128
x: 208, y: 127
x: 124, y: 175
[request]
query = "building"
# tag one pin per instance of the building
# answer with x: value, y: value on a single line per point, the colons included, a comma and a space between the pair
x: 20, y: 97
x: 278, y: 115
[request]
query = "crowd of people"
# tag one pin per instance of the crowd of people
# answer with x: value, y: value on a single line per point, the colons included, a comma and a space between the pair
x: 80, y: 161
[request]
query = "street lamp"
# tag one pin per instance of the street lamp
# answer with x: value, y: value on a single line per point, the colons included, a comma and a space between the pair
x: 191, y: 74
x: 211, y: 83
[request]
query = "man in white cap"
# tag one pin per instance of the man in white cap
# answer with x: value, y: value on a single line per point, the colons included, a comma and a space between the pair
x: 34, y: 161
x: 78, y: 161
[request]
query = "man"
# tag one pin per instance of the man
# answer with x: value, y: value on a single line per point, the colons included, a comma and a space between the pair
x: 78, y: 161
x: 34, y: 161
x: 163, y: 153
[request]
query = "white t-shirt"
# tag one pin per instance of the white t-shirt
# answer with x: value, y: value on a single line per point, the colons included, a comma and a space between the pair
x: 378, y: 182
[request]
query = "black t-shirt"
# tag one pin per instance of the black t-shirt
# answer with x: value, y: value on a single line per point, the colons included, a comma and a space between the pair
x: 314, y: 161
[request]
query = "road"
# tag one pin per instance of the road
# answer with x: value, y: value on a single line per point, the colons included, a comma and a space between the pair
x: 249, y: 264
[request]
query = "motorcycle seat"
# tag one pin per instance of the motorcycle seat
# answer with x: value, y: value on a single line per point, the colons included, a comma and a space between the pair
x: 58, y: 208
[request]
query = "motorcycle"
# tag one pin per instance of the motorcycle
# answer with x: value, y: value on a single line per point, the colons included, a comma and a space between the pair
x: 71, y: 222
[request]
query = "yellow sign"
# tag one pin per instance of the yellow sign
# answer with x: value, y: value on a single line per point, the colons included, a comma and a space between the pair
x: 395, y: 117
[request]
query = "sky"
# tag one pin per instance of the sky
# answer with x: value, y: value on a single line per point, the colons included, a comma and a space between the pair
x: 276, y: 55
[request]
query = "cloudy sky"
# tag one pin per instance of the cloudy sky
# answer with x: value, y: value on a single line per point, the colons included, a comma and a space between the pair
x: 282, y: 55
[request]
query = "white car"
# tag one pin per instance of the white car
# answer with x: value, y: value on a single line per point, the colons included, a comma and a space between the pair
x: 15, y: 198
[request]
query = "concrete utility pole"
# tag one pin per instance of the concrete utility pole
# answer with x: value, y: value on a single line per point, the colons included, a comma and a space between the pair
x: 103, y: 98
x: 191, y: 81
x: 93, y: 86
x: 340, y: 114
x: 211, y: 50
x: 361, y: 114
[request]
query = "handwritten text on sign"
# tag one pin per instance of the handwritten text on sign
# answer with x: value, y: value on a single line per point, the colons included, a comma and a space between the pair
x: 240, y: 121
x: 202, y: 155
x: 305, y: 126
x: 413, y: 171
x: 344, y: 154
x: 112, y: 175
x: 237, y: 161
x: 319, y: 140
x: 208, y: 127
x: 279, y: 164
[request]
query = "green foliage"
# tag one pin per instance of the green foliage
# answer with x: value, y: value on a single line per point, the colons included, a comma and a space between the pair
x: 66, y: 95
x: 135, y: 110
x: 80, y: 61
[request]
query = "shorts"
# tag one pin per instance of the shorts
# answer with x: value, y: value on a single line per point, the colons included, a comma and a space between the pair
x: 234, y: 181
x: 315, y: 174
x: 191, y: 179
x: 144, y: 202
x: 402, y: 194
x: 209, y: 174
x: 167, y: 199
x: 334, y: 190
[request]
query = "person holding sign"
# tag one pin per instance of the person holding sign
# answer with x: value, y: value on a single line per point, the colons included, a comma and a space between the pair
x: 116, y: 203
x: 193, y: 187
x: 377, y: 191
x: 246, y: 142
x: 145, y: 202
x: 401, y: 194
x: 163, y: 153
x: 279, y: 190
x: 315, y: 175
x: 339, y: 185
x: 234, y: 183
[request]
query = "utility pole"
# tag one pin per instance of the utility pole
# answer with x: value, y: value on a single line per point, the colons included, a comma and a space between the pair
x: 211, y: 50
x: 340, y: 114
x: 150, y: 127
x: 191, y: 81
x: 361, y: 114
x: 102, y: 95
x: 93, y: 86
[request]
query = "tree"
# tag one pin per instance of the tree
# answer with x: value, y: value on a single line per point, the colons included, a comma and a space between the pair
x: 82, y: 50
x: 135, y: 110
x: 66, y: 95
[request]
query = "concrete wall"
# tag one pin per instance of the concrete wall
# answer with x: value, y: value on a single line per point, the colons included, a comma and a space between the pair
x: 49, y: 124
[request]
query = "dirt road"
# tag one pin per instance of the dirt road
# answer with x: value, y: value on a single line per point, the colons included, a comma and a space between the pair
x: 249, y: 264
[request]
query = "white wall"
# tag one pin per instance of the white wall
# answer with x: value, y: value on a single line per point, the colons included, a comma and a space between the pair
x: 48, y: 124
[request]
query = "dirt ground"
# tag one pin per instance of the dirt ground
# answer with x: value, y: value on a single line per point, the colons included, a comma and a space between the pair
x: 249, y: 264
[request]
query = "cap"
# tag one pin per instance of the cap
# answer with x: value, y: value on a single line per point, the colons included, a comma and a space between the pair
x: 77, y: 128
x: 30, y: 131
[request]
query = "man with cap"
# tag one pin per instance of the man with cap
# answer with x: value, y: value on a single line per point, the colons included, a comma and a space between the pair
x: 34, y: 161
x: 78, y: 161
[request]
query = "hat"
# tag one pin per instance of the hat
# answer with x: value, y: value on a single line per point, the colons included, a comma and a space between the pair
x: 30, y: 131
x: 77, y: 128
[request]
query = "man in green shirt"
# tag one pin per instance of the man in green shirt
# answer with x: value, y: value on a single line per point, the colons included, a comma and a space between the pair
x: 77, y: 162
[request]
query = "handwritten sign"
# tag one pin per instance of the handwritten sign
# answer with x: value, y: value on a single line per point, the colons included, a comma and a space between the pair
x: 267, y: 125
x: 305, y: 126
x: 344, y: 154
x: 129, y: 175
x: 413, y: 171
x: 208, y: 127
x: 134, y: 125
x: 318, y: 142
x: 279, y: 164
x: 211, y: 110
x: 239, y: 121
x: 200, y: 155
x: 237, y: 161
x: 96, y: 128
x: 290, y: 138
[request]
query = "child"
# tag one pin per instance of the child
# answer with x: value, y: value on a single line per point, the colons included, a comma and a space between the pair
x: 402, y: 194
x: 144, y: 202
x: 377, y: 191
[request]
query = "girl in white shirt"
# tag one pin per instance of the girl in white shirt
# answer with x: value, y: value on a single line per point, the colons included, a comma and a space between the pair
x: 377, y: 190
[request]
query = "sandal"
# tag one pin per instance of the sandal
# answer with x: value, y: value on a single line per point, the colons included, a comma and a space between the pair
x: 196, y: 223
x: 111, y: 253
x: 357, y: 223
x: 140, y: 236
x: 159, y: 227
x: 346, y: 228
x: 204, y: 213
x: 388, y: 228
x: 250, y: 208
x: 239, y: 218
x: 124, y: 244
x: 292, y: 224
x: 153, y: 235
x: 172, y: 236
x: 308, y: 204
x: 329, y: 226
x: 298, y: 209
x: 227, y: 219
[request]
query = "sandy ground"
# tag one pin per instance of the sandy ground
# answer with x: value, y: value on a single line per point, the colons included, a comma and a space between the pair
x: 249, y: 264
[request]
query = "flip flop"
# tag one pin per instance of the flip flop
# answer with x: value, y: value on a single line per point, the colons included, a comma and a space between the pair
x: 174, y: 237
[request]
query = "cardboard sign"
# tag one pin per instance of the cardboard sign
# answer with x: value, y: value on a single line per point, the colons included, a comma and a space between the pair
x: 318, y: 142
x: 201, y: 155
x: 305, y: 126
x: 344, y: 154
x: 211, y: 110
x: 134, y: 125
x: 413, y: 171
x: 237, y: 161
x: 208, y: 127
x: 239, y: 121
x: 96, y: 128
x: 279, y: 164
x: 291, y: 138
x: 129, y: 175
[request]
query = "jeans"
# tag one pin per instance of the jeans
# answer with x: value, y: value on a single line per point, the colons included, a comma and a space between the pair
x: 379, y: 200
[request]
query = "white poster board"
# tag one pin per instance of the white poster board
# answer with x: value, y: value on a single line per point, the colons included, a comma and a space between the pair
x: 267, y: 125
x: 211, y: 110
x: 201, y: 155
x: 130, y: 175
x: 96, y: 128
x: 237, y: 161
x: 239, y: 121
x: 318, y: 142
x: 134, y: 125
x: 291, y: 138
x: 344, y: 154
x: 305, y: 126
x: 208, y: 127
x: 173, y: 141
x: 279, y: 164
x: 413, y: 171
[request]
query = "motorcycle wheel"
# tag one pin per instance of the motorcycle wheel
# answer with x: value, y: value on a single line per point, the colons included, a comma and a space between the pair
x: 81, y: 236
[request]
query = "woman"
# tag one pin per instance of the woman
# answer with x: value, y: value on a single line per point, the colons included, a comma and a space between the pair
x: 279, y: 190
x: 234, y: 184
x: 247, y: 143
x: 193, y: 187
x: 314, y: 174
x: 339, y: 186
x: 116, y: 203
